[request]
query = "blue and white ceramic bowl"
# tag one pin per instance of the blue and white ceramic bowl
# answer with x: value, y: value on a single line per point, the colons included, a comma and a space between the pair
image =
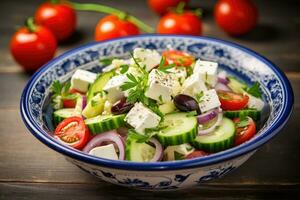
x: 233, y: 58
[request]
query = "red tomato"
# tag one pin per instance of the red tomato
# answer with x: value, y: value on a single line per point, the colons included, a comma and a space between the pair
x: 196, y: 154
x: 112, y: 26
x: 69, y: 103
x: 73, y: 132
x: 162, y: 6
x: 244, y: 134
x: 236, y: 17
x: 186, y: 23
x: 178, y: 57
x: 232, y: 101
x: 59, y: 18
x: 33, y: 48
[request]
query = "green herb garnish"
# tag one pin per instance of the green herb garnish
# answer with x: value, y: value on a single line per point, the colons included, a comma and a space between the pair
x: 199, y: 96
x: 191, y: 113
x: 106, y: 61
x: 254, y: 90
x: 244, y: 121
x: 124, y: 69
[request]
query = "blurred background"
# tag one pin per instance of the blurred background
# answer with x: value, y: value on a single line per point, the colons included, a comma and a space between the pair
x: 30, y: 170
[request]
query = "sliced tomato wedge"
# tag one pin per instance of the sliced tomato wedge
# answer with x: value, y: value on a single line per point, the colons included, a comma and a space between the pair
x: 73, y: 132
x: 232, y: 101
x: 179, y: 58
x: 71, y: 103
x: 245, y: 131
x: 196, y: 154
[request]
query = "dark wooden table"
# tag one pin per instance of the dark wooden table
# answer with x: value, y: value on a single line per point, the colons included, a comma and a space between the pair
x: 30, y: 170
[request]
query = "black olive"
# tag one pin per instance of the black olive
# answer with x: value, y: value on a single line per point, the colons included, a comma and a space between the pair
x: 186, y: 103
x: 121, y: 107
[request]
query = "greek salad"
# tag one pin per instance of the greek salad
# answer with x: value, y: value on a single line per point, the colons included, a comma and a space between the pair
x: 155, y: 107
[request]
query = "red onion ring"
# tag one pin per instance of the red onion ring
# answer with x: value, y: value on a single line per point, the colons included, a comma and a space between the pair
x: 158, y: 150
x: 221, y: 86
x: 212, y: 128
x: 222, y: 77
x: 109, y: 136
x: 205, y: 117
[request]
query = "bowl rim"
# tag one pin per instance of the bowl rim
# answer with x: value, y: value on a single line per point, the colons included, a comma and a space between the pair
x: 229, y: 154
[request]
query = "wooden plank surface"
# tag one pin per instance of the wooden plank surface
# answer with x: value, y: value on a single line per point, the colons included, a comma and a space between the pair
x: 36, y: 191
x: 25, y: 170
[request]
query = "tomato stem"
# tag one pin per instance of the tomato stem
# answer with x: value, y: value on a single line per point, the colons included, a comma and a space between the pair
x: 54, y: 1
x: 29, y: 23
x: 180, y: 8
x: 109, y: 10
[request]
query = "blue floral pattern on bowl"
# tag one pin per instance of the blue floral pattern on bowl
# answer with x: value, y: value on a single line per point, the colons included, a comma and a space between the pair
x: 233, y: 58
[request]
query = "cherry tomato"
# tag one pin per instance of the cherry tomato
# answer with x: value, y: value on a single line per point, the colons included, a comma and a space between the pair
x: 59, y: 18
x: 112, y: 26
x: 245, y: 133
x: 32, y: 47
x: 186, y: 23
x: 161, y: 6
x: 196, y: 154
x: 73, y: 132
x: 232, y: 101
x: 236, y: 17
x: 179, y: 58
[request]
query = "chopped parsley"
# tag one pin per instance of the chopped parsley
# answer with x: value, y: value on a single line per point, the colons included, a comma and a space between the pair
x: 163, y: 67
x: 199, y: 96
x: 106, y: 61
x: 191, y: 113
x: 254, y: 90
x: 244, y: 121
x: 124, y: 69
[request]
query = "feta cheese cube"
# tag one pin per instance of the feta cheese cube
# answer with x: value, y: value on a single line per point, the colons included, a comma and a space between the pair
x: 193, y: 85
x: 112, y: 87
x: 141, y: 117
x: 255, y: 102
x: 147, y: 58
x: 209, y: 100
x: 106, y: 151
x: 207, y: 71
x: 81, y: 80
x: 179, y: 72
x: 160, y: 86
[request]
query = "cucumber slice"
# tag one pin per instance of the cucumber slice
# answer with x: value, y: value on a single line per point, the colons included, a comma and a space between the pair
x: 61, y: 114
x: 167, y: 107
x: 179, y: 129
x: 104, y: 123
x: 253, y: 113
x: 138, y: 152
x: 98, y: 85
x: 220, y: 139
x: 95, y: 106
x: 235, y: 85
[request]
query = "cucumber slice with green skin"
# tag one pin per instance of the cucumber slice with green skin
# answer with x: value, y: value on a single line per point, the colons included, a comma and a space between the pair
x: 253, y: 113
x: 98, y: 85
x: 235, y: 85
x: 179, y: 129
x: 220, y: 139
x: 61, y: 114
x: 104, y: 123
x: 138, y: 152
